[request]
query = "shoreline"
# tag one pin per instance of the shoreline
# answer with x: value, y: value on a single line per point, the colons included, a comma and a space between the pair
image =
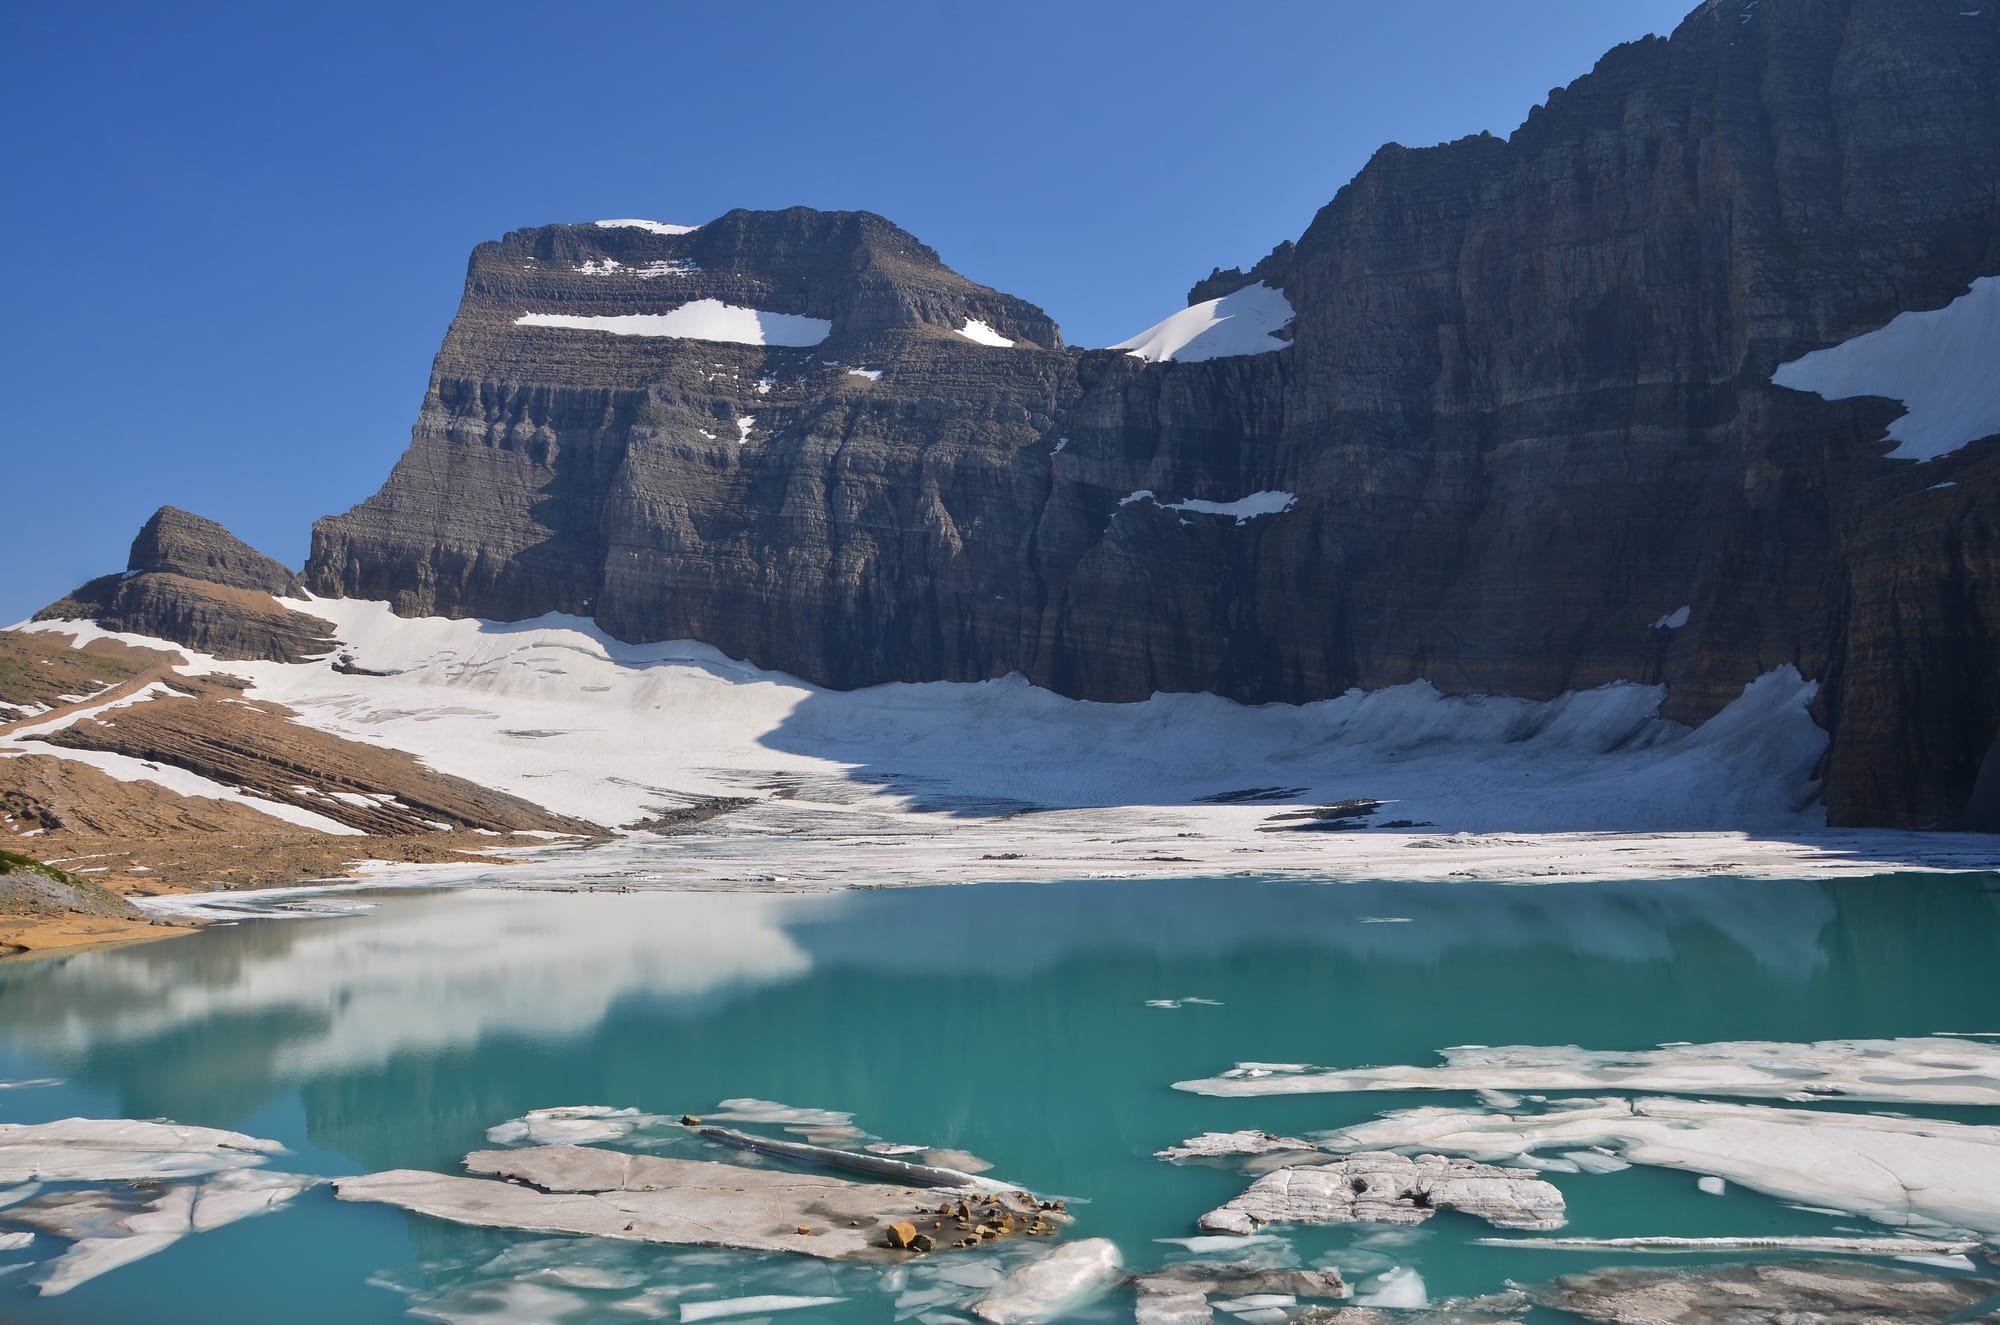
x: 749, y: 861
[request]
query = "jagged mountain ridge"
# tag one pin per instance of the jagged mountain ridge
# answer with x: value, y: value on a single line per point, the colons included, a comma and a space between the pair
x: 1526, y: 415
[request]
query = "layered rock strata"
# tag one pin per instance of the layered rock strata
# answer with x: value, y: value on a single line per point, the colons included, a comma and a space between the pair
x: 1524, y: 414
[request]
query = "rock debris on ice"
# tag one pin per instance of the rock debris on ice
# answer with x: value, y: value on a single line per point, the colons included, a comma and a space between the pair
x: 1381, y: 1188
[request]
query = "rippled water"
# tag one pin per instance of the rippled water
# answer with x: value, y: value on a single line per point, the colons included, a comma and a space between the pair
x: 1009, y: 1021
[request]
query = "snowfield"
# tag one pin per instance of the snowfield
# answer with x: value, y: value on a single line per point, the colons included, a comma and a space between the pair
x: 703, y: 319
x: 1245, y: 322
x: 943, y: 782
x: 1943, y: 363
x: 656, y: 227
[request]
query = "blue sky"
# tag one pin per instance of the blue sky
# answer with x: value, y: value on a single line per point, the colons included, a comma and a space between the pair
x: 237, y: 232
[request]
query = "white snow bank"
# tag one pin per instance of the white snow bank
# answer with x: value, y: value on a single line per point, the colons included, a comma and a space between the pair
x: 1241, y: 323
x: 1921, y: 1070
x: 1591, y: 785
x: 1244, y: 509
x: 703, y: 319
x: 657, y: 227
x: 1944, y: 364
x: 1905, y: 1172
x: 872, y: 374
x: 984, y: 334
x: 555, y: 711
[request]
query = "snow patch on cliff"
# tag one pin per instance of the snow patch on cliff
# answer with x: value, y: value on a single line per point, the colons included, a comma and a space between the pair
x: 1944, y: 364
x: 984, y: 334
x: 656, y: 227
x: 1245, y: 322
x: 1244, y: 509
x: 703, y: 319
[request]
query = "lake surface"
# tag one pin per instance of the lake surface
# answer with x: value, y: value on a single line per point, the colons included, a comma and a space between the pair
x: 1009, y: 1021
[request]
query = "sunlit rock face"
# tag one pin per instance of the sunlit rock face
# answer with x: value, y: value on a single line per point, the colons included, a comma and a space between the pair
x: 1508, y: 405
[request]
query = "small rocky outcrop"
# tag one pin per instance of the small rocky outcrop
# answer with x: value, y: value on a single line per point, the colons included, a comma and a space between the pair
x: 193, y: 582
x: 1381, y: 1188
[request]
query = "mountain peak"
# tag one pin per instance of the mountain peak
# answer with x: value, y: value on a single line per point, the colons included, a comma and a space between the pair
x: 178, y: 542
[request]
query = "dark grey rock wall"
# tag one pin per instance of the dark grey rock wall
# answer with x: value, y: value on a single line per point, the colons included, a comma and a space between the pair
x: 1527, y: 413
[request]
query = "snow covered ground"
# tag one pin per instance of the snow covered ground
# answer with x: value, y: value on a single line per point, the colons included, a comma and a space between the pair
x: 946, y: 782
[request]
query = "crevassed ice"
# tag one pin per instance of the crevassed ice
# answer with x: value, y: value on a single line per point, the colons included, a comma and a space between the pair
x: 1944, y: 364
x: 1241, y: 323
x: 703, y: 319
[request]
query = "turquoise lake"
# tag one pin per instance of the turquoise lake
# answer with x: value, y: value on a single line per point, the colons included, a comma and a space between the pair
x: 1008, y: 1021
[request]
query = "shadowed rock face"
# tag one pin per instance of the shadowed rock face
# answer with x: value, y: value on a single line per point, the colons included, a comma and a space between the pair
x: 1526, y: 414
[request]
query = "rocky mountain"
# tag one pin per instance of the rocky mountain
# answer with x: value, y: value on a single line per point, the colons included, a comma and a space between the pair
x: 1511, y: 429
x: 192, y: 581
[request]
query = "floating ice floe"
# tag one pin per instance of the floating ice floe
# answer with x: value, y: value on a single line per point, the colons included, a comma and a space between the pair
x: 1943, y: 364
x: 122, y: 1150
x: 983, y: 333
x: 1191, y: 1293
x: 1049, y: 1286
x: 110, y: 1228
x: 701, y: 319
x: 575, y: 1124
x: 1818, y: 1246
x: 1380, y: 1188
x: 1904, y: 1172
x: 1246, y: 322
x: 1400, y: 1289
x: 1774, y: 1291
x: 640, y: 1198
x: 1916, y: 1070
x: 1224, y: 1145
x: 762, y: 1304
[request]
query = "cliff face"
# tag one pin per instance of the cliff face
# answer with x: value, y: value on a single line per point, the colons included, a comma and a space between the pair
x: 1525, y: 417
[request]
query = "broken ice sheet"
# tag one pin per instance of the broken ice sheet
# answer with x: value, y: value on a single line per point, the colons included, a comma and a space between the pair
x: 1913, y: 1070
